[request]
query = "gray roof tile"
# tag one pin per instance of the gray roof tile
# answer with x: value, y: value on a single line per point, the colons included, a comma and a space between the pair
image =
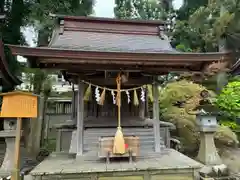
x: 97, y: 41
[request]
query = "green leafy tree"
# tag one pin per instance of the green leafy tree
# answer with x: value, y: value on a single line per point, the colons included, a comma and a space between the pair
x: 189, y: 93
x: 210, y: 23
x: 229, y: 99
x: 16, y: 14
x: 189, y: 7
x: 41, y: 10
x: 43, y: 24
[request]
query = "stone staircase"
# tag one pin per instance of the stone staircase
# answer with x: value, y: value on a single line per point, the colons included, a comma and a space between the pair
x: 92, y: 135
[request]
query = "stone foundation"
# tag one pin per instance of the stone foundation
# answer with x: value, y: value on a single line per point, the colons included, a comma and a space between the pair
x: 167, y: 165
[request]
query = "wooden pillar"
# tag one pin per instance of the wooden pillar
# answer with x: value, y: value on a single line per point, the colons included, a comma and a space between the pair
x: 142, y: 110
x: 74, y: 100
x: 146, y: 105
x: 156, y: 123
x: 80, y: 118
x: 73, y: 106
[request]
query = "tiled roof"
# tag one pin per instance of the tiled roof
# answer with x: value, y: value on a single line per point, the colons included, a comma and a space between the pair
x: 109, y: 42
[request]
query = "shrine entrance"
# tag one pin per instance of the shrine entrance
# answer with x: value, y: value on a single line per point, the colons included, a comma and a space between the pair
x: 91, y: 52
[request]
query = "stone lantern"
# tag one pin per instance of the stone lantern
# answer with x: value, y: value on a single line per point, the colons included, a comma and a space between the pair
x: 9, y: 133
x: 206, y: 117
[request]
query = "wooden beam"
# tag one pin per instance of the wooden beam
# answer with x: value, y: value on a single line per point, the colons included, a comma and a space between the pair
x: 146, y: 104
x: 99, y: 64
x: 80, y: 118
x: 112, y: 81
x: 74, y: 100
x: 142, y: 108
x: 113, y: 62
x: 16, y: 172
x: 156, y: 123
x: 162, y: 68
x: 130, y: 82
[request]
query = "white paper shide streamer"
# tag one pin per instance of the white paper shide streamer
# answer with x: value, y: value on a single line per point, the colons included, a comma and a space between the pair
x: 97, y: 94
x: 142, y: 94
x: 128, y: 97
x: 113, y: 96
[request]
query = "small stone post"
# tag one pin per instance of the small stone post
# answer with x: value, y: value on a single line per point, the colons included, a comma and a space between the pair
x: 9, y: 133
x: 207, y: 125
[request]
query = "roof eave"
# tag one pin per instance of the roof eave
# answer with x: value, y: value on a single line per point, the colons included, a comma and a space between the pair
x: 43, y: 56
x: 8, y: 77
x: 52, y: 52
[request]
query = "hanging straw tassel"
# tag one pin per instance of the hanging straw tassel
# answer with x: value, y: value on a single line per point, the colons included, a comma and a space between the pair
x: 135, y: 98
x: 102, y: 97
x: 149, y: 92
x: 119, y: 142
x: 88, y: 93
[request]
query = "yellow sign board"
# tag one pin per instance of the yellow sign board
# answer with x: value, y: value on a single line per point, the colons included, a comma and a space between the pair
x: 19, y: 104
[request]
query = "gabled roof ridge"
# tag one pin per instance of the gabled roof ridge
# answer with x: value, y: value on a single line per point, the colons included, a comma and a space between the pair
x: 108, y: 20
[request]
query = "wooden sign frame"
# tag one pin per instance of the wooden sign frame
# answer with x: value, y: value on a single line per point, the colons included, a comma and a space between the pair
x: 18, y: 105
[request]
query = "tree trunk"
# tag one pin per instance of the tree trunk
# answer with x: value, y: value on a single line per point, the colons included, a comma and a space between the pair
x: 44, y: 108
x: 2, y: 2
x: 222, y: 77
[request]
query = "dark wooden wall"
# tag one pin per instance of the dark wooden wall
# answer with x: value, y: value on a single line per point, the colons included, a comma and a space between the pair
x: 97, y: 115
x: 92, y: 135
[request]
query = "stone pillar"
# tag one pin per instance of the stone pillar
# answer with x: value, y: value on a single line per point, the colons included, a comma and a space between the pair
x: 9, y: 133
x: 207, y: 154
x: 80, y: 118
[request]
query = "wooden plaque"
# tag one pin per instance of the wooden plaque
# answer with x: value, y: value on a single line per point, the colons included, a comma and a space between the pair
x: 19, y: 104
